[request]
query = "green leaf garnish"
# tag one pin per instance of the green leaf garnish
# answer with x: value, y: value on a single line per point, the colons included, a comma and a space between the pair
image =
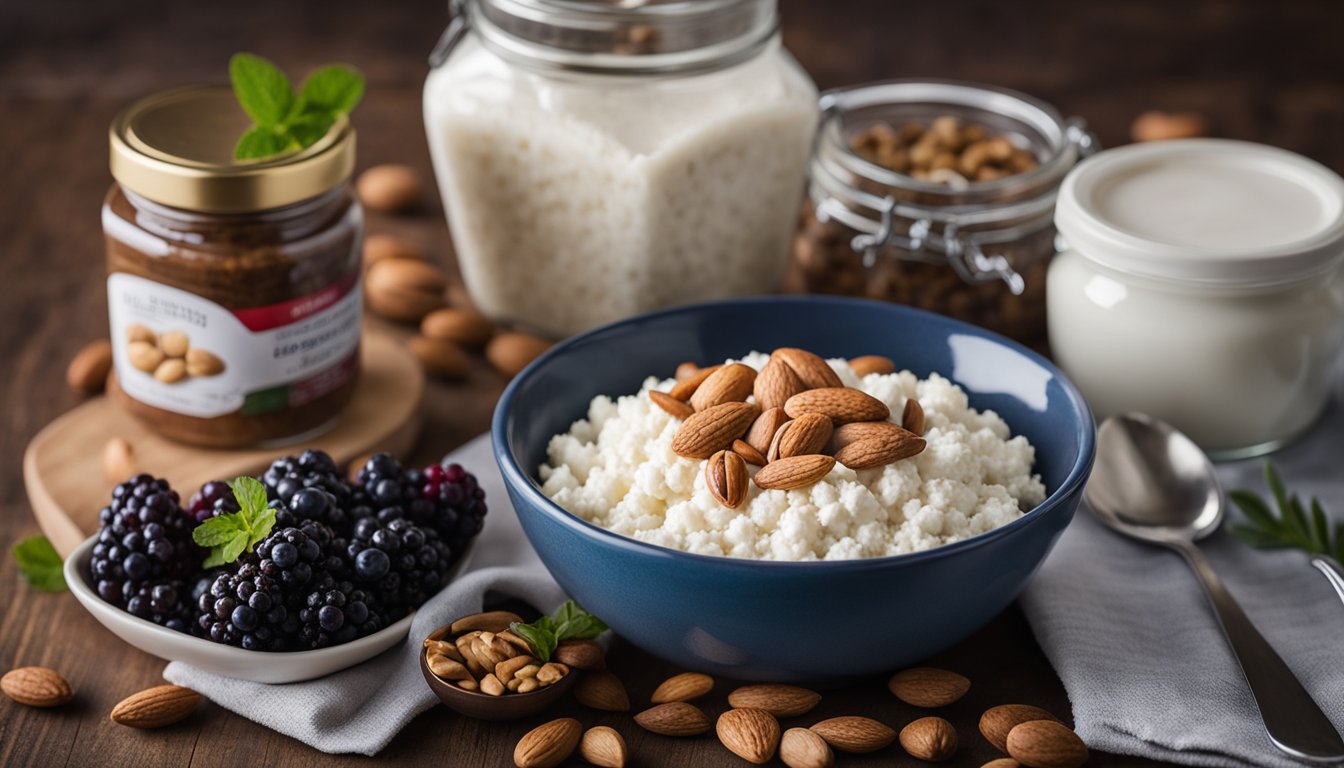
x: 1292, y: 527
x: 570, y: 622
x: 228, y: 536
x: 39, y: 564
x: 281, y: 121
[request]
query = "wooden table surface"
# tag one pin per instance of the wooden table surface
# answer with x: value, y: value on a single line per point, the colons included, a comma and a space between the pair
x: 1271, y: 72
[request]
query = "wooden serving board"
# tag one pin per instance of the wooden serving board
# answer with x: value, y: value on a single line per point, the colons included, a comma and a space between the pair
x: 62, y: 467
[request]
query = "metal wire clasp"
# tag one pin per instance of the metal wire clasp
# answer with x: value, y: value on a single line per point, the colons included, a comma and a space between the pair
x: 458, y: 27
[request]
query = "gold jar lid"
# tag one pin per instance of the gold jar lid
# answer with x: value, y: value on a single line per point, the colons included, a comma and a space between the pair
x: 176, y: 148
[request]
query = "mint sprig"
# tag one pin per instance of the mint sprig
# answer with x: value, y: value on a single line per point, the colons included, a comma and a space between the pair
x: 282, y: 121
x: 570, y: 622
x: 39, y: 564
x: 1292, y: 527
x: 228, y: 536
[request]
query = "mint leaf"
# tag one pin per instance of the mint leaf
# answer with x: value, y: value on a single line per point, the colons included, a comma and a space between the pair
x: 262, y: 89
x: 228, y: 536
x: 307, y: 129
x: 574, y: 623
x: 39, y: 564
x: 335, y: 89
x: 261, y: 526
x: 250, y: 494
x: 226, y: 552
x: 217, y: 530
x: 262, y: 141
x: 540, y: 634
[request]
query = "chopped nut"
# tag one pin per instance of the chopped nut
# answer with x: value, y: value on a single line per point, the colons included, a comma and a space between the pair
x: 551, y: 672
x: 528, y: 671
x: 491, y: 685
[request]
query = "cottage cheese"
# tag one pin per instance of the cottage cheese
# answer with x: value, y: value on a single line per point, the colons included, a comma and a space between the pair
x: 616, y: 468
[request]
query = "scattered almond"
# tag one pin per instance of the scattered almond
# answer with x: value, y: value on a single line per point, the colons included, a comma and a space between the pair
x: 36, y: 687
x: 854, y: 733
x: 389, y: 188
x: 511, y: 352
x: 872, y: 364
x: 378, y: 247
x: 777, y: 699
x: 686, y: 387
x: 549, y: 744
x: 155, y: 707
x: 912, y: 417
x: 730, y: 383
x: 776, y: 383
x: 793, y: 472
x: 764, y: 428
x: 683, y: 687
x: 1046, y: 744
x: 118, y: 460
x: 806, y: 434
x: 713, y: 429
x: 404, y: 290
x: 88, y: 369
x: 751, y: 734
x: 726, y: 477
x: 930, y: 738
x: 467, y: 327
x: 812, y: 370
x: 802, y: 748
x: 603, y: 747
x: 675, y: 718
x: 686, y: 370
x: 674, y: 407
x: 580, y: 654
x: 840, y: 404
x: 602, y: 690
x: 877, y: 452
x: 1158, y: 126
x: 489, y: 621
x: 996, y: 722
x: 1002, y: 762
x: 748, y: 453
x: 440, y: 357
x: 928, y: 686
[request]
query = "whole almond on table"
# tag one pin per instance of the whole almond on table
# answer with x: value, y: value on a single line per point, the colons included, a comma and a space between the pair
x: 996, y: 722
x: 155, y: 707
x: 378, y: 247
x: 726, y: 477
x: 683, y: 687
x: 118, y: 460
x: 930, y: 738
x: 730, y: 383
x: 461, y: 326
x: 36, y: 687
x: 712, y: 430
x: 603, y: 747
x: 511, y: 352
x: 751, y: 734
x: 802, y: 748
x: 854, y: 733
x: 675, y: 718
x: 793, y: 472
x: 763, y: 429
x: 868, y: 364
x: 88, y: 369
x: 1156, y: 125
x: 580, y: 654
x: 806, y: 434
x: 776, y: 698
x: 775, y: 384
x: 748, y: 453
x: 1002, y: 762
x: 812, y: 370
x: 389, y: 188
x: 549, y: 744
x: 912, y: 417
x: 404, y: 290
x: 686, y: 370
x: 602, y: 690
x: 671, y: 405
x: 440, y: 357
x: 840, y: 404
x: 684, y: 388
x: 1046, y: 744
x: 928, y: 686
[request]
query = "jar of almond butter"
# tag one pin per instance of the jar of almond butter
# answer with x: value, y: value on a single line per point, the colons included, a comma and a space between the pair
x: 233, y: 286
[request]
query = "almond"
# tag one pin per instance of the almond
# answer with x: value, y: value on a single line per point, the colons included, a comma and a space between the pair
x: 202, y: 362
x: 686, y: 370
x: 505, y: 669
x: 1157, y: 126
x: 776, y: 383
x: 813, y: 371
x: 603, y: 747
x: 928, y: 686
x: 763, y: 429
x: 549, y: 744
x: 675, y: 718
x: 517, y: 642
x: 726, y: 477
x: 794, y: 472
x: 713, y: 429
x: 491, y: 685
x: 379, y: 247
x: 171, y: 371
x: 683, y: 687
x: 467, y: 327
x: 996, y: 722
x: 777, y: 699
x: 144, y: 356
x: 912, y: 417
x: 729, y: 384
x: 1002, y: 762
x: 602, y: 690
x: 389, y: 188
x: 854, y: 734
x: 865, y: 430
x: 751, y: 734
x: 36, y: 687
x: 174, y: 343
x: 118, y: 460
x: 440, y: 357
x: 1046, y: 744
x: 930, y: 738
x: 155, y: 707
x: 806, y: 434
x: 404, y: 290
x: 750, y: 455
x: 88, y: 369
x: 445, y: 668
x: 872, y: 364
x: 674, y: 407
x: 801, y: 748
x: 840, y: 404
x: 686, y: 387
x: 773, y: 453
x: 866, y: 454
x: 580, y: 654
x: 489, y: 621
x: 510, y: 353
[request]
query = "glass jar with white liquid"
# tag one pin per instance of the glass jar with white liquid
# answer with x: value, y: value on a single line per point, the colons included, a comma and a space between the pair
x: 599, y: 159
x: 1202, y: 285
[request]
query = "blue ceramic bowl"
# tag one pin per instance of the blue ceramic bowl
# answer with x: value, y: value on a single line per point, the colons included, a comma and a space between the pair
x: 765, y: 620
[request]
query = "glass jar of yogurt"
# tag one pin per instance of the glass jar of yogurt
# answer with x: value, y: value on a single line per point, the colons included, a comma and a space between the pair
x: 600, y: 159
x: 1202, y: 285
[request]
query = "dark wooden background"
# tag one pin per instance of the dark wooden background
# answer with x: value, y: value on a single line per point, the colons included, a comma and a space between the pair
x: 1263, y: 71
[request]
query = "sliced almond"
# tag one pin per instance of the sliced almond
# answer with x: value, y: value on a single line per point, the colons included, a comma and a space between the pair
x: 812, y: 370
x: 840, y: 404
x: 686, y: 387
x: 806, y: 434
x: 928, y: 686
x: 683, y: 687
x: 878, y: 452
x: 713, y: 429
x: 675, y: 718
x: 674, y: 407
x: 777, y: 699
x: 912, y: 416
x: 869, y: 364
x: 854, y: 733
x: 729, y: 384
x: 751, y: 734
x: 794, y: 472
x: 776, y: 383
x: 748, y: 453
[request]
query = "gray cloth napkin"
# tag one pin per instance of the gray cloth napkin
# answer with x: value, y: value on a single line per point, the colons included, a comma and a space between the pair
x: 1140, y: 653
x: 360, y: 709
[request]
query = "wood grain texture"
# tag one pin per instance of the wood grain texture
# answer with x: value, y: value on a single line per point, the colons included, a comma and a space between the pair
x: 1265, y: 72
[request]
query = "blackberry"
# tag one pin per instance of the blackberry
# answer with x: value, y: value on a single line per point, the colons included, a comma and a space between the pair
x: 289, y: 477
x: 335, y: 612
x: 399, y: 564
x: 213, y: 499
x: 444, y: 498
x: 246, y: 609
x: 144, y: 556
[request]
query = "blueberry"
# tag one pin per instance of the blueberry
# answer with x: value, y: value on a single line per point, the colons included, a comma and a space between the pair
x: 330, y: 618
x: 136, y: 566
x: 244, y: 618
x: 285, y: 554
x: 309, y: 502
x: 372, y: 564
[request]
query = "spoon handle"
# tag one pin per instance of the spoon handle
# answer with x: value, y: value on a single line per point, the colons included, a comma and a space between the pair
x: 1332, y: 570
x: 1294, y: 722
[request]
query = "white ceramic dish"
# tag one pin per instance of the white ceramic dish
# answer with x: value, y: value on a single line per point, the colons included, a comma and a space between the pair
x: 257, y: 666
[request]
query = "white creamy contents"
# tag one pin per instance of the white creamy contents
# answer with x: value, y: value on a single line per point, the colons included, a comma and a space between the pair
x: 616, y: 468
x: 579, y: 199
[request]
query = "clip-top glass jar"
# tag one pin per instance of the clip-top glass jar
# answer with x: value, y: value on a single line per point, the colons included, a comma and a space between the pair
x: 233, y: 286
x: 601, y: 159
x: 958, y: 235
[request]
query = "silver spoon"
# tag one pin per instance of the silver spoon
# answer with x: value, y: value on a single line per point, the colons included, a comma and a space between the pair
x: 1153, y: 484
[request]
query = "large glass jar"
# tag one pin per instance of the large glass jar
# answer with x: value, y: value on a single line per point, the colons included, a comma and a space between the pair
x: 233, y: 286
x: 967, y: 240
x: 601, y: 159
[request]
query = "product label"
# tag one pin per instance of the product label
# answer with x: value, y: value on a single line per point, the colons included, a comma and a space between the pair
x: 178, y: 352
